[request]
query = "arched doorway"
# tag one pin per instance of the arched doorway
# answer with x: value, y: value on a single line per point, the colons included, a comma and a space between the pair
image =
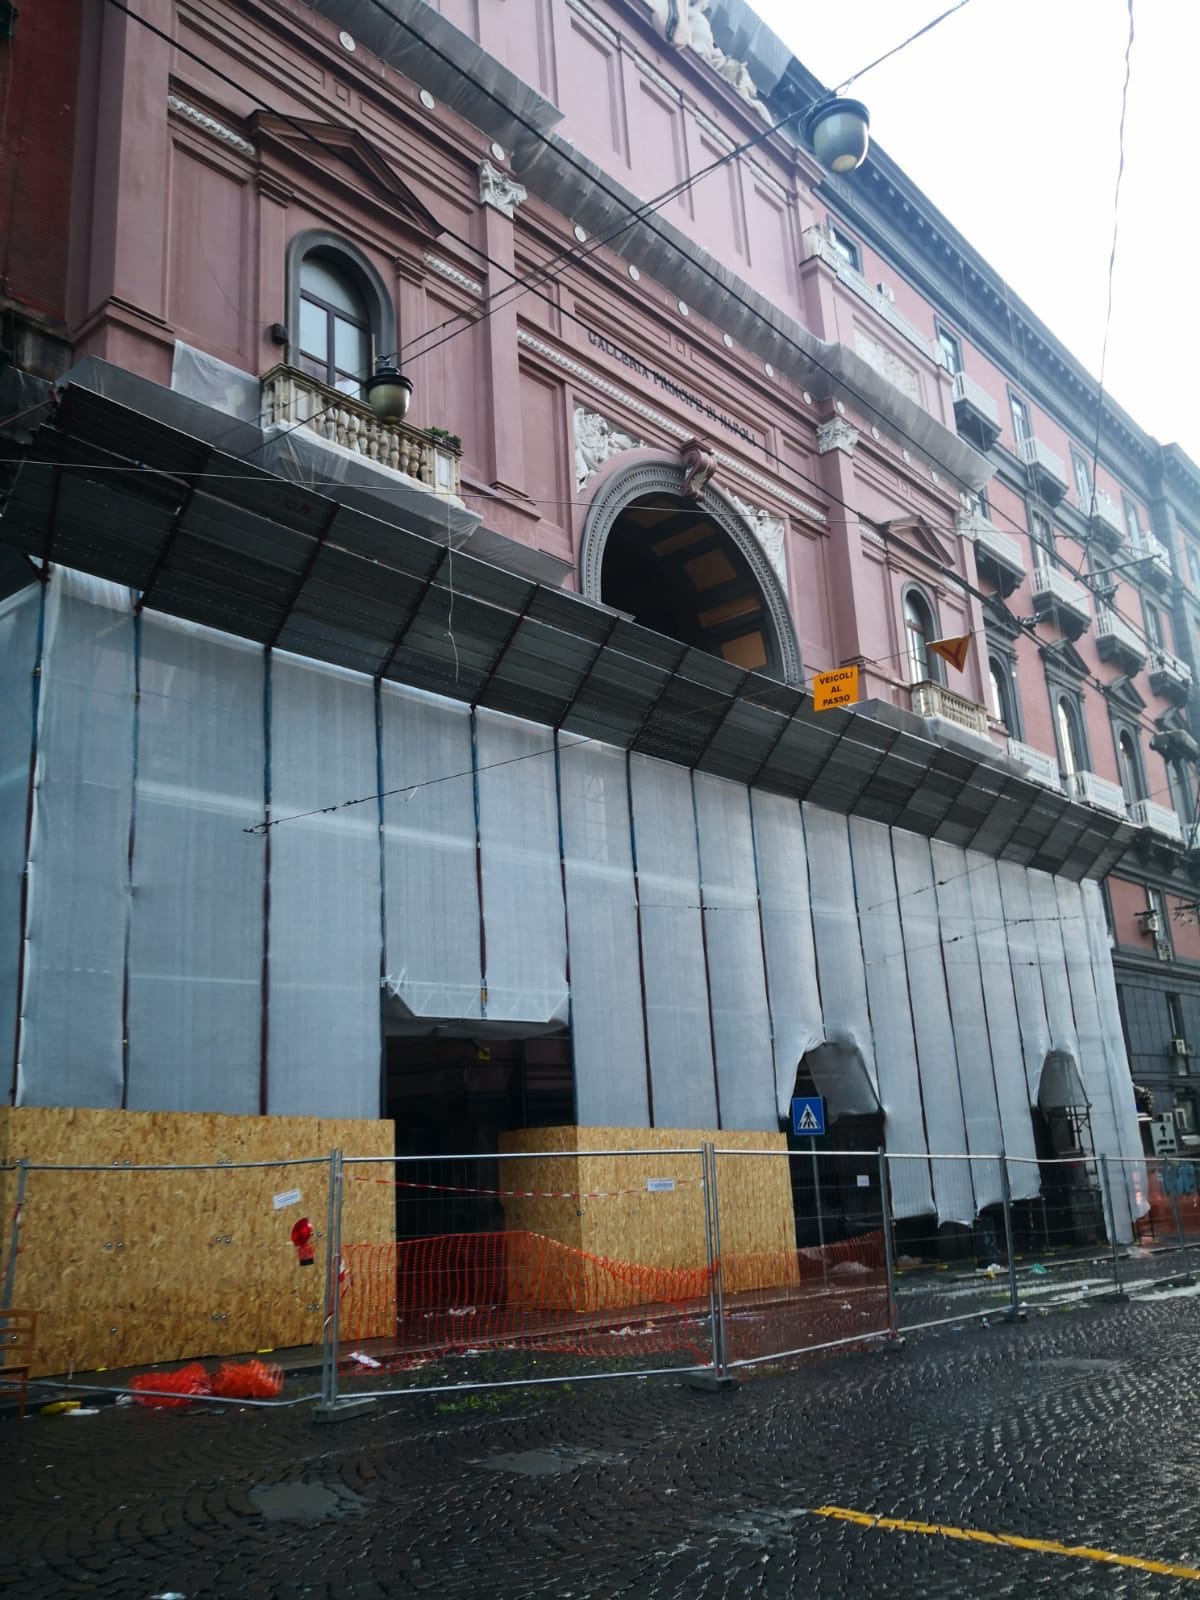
x: 687, y: 568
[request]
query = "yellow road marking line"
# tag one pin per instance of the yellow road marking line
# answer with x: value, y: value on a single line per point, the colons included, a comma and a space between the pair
x: 1011, y: 1541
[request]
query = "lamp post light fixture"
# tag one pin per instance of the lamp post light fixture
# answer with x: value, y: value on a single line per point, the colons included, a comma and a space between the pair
x: 838, y: 131
x: 388, y: 392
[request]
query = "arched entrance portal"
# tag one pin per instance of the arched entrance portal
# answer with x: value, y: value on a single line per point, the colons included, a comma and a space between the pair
x: 690, y: 569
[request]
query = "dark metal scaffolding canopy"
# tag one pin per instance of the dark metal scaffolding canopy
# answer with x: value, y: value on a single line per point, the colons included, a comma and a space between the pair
x: 209, y: 536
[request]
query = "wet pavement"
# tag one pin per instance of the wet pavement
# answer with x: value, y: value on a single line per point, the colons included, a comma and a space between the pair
x: 1077, y: 1428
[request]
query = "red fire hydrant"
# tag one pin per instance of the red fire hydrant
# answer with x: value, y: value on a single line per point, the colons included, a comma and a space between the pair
x: 302, y: 1233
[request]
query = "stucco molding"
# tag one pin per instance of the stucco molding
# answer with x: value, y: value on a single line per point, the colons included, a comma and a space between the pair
x: 769, y: 530
x: 452, y: 274
x: 210, y: 125
x: 500, y: 190
x: 668, y: 425
x: 836, y: 434
x: 667, y: 476
x: 597, y: 440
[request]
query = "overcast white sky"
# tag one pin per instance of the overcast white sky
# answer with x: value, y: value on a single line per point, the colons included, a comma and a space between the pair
x: 1006, y: 115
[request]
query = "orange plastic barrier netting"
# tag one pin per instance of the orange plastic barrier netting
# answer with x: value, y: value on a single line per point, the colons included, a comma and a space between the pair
x: 416, y: 1298
x: 1171, y: 1188
x: 798, y: 1299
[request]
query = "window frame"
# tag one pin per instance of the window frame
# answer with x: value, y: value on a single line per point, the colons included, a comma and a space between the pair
x: 945, y: 337
x: 1001, y: 664
x: 1133, y: 521
x: 359, y: 271
x: 913, y: 593
x: 1068, y: 711
x: 1084, y: 498
x: 1018, y: 406
x: 847, y: 247
x: 1034, y: 515
x: 1133, y: 766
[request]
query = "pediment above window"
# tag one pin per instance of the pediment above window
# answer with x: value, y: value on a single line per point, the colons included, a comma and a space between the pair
x: 315, y: 143
x: 919, y: 535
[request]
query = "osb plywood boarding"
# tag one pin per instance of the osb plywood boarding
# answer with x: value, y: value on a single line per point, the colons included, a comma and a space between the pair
x: 631, y: 1204
x: 128, y: 1267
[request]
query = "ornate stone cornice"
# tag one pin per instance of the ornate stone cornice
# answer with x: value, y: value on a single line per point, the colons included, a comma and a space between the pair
x: 210, y: 125
x: 639, y: 407
x: 836, y: 434
x: 452, y: 274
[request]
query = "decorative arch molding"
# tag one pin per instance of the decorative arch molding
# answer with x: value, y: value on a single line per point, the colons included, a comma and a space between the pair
x: 666, y: 475
x: 374, y: 290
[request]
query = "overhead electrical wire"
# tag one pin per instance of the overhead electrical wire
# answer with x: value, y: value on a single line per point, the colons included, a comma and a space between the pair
x: 947, y: 574
x: 849, y: 388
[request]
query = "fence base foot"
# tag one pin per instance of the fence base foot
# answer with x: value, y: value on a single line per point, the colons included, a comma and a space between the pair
x: 1113, y: 1297
x: 893, y: 1343
x: 341, y: 1410
x: 1010, y: 1316
x: 711, y: 1382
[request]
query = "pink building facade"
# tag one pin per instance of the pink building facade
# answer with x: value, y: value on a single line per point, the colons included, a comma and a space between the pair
x: 552, y: 638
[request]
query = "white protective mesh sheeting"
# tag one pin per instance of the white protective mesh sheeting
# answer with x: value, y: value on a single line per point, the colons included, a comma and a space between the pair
x: 71, y: 1047
x: 523, y: 917
x: 891, y: 1014
x: 1003, y: 1023
x: 845, y: 1011
x: 677, y: 1019
x: 325, y: 935
x: 196, y: 934
x: 1056, y: 989
x: 1021, y: 933
x: 969, y: 1020
x: 431, y: 893
x: 607, y: 1029
x: 737, y: 984
x: 945, y: 1123
x: 787, y: 937
x: 1117, y: 1062
x: 19, y: 619
x: 1111, y: 1101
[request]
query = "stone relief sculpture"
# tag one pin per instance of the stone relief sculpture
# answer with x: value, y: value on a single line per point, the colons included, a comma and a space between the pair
x: 768, y: 530
x: 700, y: 462
x: 685, y: 23
x: 498, y: 189
x: 888, y: 365
x: 596, y: 440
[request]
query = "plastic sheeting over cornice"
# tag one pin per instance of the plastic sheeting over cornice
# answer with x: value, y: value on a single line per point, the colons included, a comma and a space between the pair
x: 116, y: 488
x: 436, y: 55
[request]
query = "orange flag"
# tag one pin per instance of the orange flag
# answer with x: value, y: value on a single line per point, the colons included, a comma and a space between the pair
x: 952, y: 650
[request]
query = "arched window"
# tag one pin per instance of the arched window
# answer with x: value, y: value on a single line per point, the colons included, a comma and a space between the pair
x: 919, y: 629
x: 335, y: 325
x: 340, y: 315
x: 1001, y: 691
x: 1130, y: 767
x: 1070, y: 736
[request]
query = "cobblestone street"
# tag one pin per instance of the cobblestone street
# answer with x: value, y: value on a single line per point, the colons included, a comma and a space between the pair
x: 1076, y: 1428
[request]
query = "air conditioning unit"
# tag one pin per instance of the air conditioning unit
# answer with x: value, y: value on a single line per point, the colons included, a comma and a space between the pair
x: 1179, y: 1047
x: 887, y: 292
x: 1149, y: 921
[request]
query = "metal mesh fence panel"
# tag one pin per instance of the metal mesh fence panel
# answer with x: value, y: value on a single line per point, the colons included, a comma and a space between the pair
x: 951, y: 1271
x: 802, y: 1252
x: 522, y: 1266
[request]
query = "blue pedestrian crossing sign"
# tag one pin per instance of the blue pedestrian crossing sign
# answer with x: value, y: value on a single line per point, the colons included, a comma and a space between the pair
x: 808, y: 1115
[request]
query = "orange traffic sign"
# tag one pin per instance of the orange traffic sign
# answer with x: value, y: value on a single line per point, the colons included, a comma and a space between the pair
x: 836, y: 688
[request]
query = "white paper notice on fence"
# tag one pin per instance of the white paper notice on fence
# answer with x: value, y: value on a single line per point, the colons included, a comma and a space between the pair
x: 289, y: 1197
x: 864, y: 1180
x: 660, y: 1185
